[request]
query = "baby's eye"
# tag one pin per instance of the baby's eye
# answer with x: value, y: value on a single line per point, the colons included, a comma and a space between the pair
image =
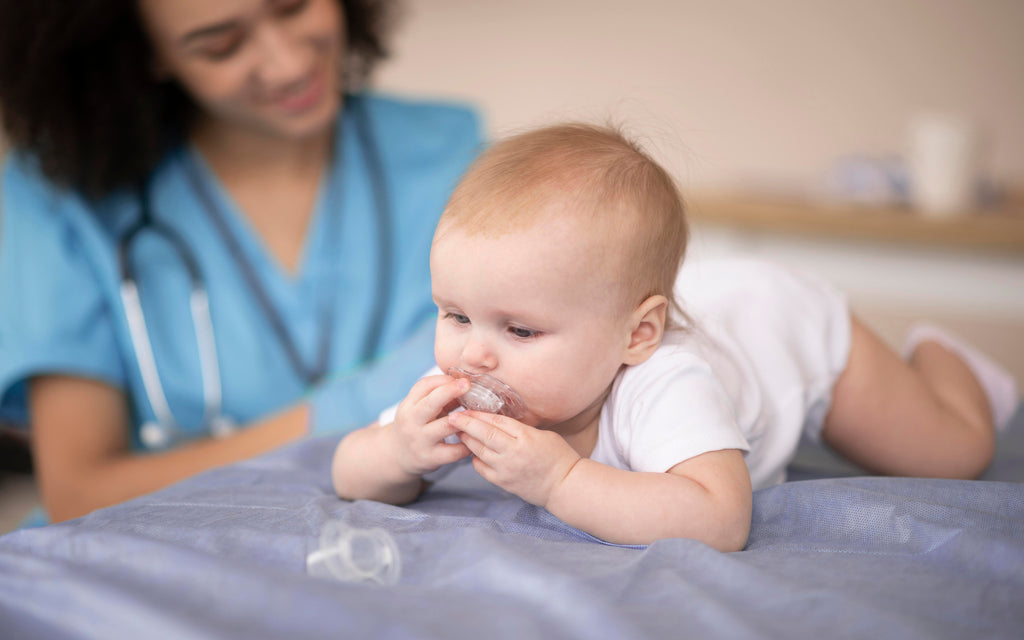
x: 520, y: 332
x: 457, y: 317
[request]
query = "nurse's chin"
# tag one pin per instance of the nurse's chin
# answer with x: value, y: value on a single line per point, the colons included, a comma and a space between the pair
x: 304, y: 126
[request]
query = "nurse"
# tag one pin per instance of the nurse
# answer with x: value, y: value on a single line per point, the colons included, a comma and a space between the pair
x: 184, y: 147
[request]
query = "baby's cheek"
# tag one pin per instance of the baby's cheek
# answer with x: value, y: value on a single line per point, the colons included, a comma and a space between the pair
x: 443, y: 357
x: 548, y: 407
x: 532, y: 420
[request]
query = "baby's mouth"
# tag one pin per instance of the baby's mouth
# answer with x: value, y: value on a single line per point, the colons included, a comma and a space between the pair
x: 489, y: 395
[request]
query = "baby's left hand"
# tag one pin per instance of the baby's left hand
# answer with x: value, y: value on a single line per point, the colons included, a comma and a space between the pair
x: 521, y: 459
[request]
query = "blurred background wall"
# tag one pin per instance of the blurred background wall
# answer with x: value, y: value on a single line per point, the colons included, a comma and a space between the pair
x: 741, y: 96
x: 765, y: 97
x: 735, y: 91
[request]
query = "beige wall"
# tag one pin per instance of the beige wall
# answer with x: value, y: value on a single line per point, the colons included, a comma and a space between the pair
x: 734, y: 91
x: 747, y: 92
x: 730, y: 92
x: 760, y: 93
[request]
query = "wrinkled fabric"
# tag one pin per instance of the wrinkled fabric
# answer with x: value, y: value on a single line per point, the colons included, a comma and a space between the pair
x: 223, y: 555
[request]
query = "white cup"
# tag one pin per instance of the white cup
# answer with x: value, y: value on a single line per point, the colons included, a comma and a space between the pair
x: 943, y: 165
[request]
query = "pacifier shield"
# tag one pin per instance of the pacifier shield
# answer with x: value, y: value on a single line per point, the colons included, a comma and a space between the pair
x: 489, y: 395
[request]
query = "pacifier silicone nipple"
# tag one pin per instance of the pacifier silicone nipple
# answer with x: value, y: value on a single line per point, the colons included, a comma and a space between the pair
x: 489, y: 395
x: 351, y: 554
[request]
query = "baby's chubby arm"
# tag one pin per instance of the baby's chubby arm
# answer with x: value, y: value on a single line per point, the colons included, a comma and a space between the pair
x: 706, y: 498
x: 387, y: 462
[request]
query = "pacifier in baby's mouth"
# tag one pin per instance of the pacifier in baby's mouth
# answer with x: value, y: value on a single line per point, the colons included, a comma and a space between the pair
x: 489, y: 395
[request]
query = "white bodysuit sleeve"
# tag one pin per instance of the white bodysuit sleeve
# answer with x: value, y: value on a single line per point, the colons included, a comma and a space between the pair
x: 670, y: 409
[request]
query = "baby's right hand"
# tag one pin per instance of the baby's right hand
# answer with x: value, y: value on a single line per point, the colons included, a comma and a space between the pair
x: 421, y: 426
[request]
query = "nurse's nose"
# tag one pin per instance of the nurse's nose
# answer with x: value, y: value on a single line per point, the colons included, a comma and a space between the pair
x: 282, y: 58
x: 477, y: 356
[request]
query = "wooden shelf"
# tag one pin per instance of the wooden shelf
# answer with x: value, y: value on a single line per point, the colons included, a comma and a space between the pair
x: 999, y: 228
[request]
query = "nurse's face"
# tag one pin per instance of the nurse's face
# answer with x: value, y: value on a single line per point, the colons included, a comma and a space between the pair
x: 270, y: 67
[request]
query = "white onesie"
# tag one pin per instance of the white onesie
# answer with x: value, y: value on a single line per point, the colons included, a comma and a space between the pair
x: 755, y: 373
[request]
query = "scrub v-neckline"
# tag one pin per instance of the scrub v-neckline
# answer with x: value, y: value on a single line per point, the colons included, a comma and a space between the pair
x: 257, y: 250
x: 273, y: 287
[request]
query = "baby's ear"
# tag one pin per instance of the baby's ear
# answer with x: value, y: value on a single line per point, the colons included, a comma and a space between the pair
x: 647, y: 326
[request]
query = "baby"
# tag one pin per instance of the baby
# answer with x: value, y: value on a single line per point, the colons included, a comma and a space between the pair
x: 554, y: 270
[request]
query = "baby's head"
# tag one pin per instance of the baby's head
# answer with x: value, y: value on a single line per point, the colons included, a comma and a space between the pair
x: 554, y: 262
x: 621, y: 200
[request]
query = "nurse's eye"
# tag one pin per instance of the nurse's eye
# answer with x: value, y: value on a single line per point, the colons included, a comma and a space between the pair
x: 290, y: 7
x: 522, y: 333
x: 457, y: 318
x: 222, y: 47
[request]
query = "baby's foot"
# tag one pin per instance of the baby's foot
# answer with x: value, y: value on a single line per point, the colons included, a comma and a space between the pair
x: 999, y: 384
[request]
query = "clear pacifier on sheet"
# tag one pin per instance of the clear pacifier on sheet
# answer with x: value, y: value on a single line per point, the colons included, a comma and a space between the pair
x: 352, y: 554
x: 489, y: 395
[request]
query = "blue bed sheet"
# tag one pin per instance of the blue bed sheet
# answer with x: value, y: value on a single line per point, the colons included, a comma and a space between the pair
x: 223, y: 555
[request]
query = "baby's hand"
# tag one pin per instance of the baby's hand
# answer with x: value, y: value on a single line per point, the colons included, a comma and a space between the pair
x: 524, y: 460
x: 420, y: 426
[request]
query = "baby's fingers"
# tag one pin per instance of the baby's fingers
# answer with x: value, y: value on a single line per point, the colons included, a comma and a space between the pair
x: 439, y: 401
x: 492, y: 433
x: 425, y: 386
x: 448, y: 453
x: 440, y: 448
x: 430, y: 397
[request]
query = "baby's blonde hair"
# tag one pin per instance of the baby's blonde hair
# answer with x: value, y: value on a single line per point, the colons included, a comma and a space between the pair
x: 599, y: 175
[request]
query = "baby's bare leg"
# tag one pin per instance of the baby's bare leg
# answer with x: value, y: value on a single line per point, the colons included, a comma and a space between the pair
x: 926, y: 418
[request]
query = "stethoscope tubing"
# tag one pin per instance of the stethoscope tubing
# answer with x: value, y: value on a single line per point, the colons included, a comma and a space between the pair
x: 202, y: 324
x: 160, y: 434
x: 167, y: 430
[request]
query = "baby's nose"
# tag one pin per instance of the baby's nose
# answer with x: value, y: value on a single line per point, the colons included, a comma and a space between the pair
x: 477, y: 356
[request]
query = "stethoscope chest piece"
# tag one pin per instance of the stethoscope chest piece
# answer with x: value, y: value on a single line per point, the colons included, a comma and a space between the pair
x: 155, y: 436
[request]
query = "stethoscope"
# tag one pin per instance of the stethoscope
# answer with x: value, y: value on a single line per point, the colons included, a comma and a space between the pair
x: 165, y: 431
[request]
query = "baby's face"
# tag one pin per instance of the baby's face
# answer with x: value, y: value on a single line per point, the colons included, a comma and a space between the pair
x: 533, y: 308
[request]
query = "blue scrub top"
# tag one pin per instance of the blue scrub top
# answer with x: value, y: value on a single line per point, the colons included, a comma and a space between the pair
x: 61, y: 312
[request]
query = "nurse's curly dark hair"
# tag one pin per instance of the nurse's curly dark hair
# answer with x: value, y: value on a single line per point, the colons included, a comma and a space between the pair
x: 77, y: 87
